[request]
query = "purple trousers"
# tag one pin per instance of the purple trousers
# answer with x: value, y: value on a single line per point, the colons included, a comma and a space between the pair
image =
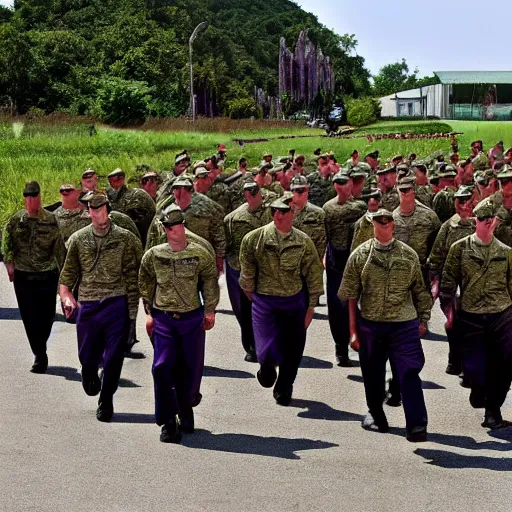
x: 179, y: 341
x: 400, y: 342
x: 279, y: 334
x: 102, y: 329
x: 486, y: 341
x: 242, y: 308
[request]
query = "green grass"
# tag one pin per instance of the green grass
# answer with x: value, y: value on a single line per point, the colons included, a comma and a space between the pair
x: 59, y: 151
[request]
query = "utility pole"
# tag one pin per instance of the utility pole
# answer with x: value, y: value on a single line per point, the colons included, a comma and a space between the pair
x: 193, y: 37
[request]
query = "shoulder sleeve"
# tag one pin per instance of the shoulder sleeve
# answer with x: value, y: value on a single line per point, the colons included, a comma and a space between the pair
x: 351, y: 286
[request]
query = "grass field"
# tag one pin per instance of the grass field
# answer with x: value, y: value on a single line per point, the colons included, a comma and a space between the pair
x: 57, y: 151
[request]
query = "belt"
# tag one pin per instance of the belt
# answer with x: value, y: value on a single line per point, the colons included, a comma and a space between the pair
x: 177, y: 315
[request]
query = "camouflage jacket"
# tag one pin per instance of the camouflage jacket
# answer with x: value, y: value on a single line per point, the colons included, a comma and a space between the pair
x: 168, y: 280
x: 33, y: 242
x: 452, y: 230
x: 425, y: 195
x: 340, y: 220
x: 134, y: 202
x: 236, y: 190
x: 219, y: 192
x: 123, y: 221
x: 311, y: 220
x: 418, y: 230
x: 321, y: 189
x: 387, y: 282
x: 107, y: 265
x: 503, y: 231
x: 203, y: 217
x: 363, y: 231
x: 277, y: 265
x: 165, y: 188
x: 390, y: 199
x: 276, y: 188
x: 237, y: 224
x: 483, y: 273
x: 444, y: 204
x: 70, y: 221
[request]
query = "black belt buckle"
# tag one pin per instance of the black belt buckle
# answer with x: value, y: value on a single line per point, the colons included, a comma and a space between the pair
x: 176, y: 316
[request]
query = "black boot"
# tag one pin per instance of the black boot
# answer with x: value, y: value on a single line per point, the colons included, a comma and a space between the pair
x: 251, y: 357
x: 186, y: 421
x: 91, y: 381
x: 40, y: 364
x: 283, y: 396
x: 267, y: 376
x: 379, y: 423
x: 494, y: 420
x: 170, y: 433
x: 105, y: 409
x: 417, y: 434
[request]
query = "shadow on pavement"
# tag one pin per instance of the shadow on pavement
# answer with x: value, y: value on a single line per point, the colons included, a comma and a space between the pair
x: 433, y: 336
x: 320, y: 411
x: 213, y: 371
x: 449, y: 460
x: 253, y: 445
x: 225, y: 312
x: 355, y: 378
x: 426, y: 384
x: 313, y: 362
x: 10, y: 314
x: 73, y: 374
x: 133, y: 417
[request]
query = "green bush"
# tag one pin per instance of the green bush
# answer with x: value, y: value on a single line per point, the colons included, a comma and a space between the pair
x: 362, y: 111
x: 243, y: 108
x: 121, y: 102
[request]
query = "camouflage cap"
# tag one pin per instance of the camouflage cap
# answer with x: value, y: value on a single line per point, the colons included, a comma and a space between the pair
x: 88, y: 173
x: 464, y: 191
x: 68, y: 187
x: 341, y: 177
x: 505, y: 172
x: 371, y: 193
x: 402, y: 170
x: 420, y: 166
x: 325, y: 156
x: 265, y: 166
x: 509, y: 150
x: 477, y: 142
x: 284, y: 159
x: 298, y: 181
x: 251, y: 185
x: 180, y: 157
x: 382, y: 212
x: 287, y: 197
x: 373, y: 154
x: 201, y: 172
x: 266, y: 155
x: 171, y: 216
x: 198, y: 163
x: 87, y: 196
x: 356, y: 172
x: 183, y: 181
x: 433, y: 177
x: 480, y: 161
x: 116, y: 172
x: 406, y: 182
x: 397, y: 158
x: 150, y: 174
x: 485, y: 208
x: 411, y: 157
x: 32, y: 188
x: 97, y: 201
x: 280, y: 205
x: 255, y: 170
x: 386, y: 170
x: 448, y: 171
x: 278, y: 168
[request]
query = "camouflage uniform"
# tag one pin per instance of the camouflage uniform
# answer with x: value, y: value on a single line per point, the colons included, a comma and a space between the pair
x: 424, y: 194
x: 285, y: 276
x: 483, y: 274
x: 237, y: 224
x: 321, y: 189
x: 418, y: 230
x: 363, y: 231
x: 339, y: 229
x: 123, y: 221
x: 137, y: 204
x: 236, y: 189
x: 203, y: 217
x: 444, y: 204
x: 70, y: 221
x: 34, y: 245
x: 219, y: 192
x: 107, y: 267
x: 311, y: 220
x: 386, y: 280
x: 390, y: 199
x: 276, y: 188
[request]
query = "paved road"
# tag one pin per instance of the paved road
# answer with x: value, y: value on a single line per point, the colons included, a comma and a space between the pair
x: 248, y: 454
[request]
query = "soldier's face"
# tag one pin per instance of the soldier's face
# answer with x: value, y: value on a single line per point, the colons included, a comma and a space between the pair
x: 407, y: 196
x: 485, y: 226
x: 116, y: 182
x: 90, y: 183
x: 464, y: 207
x: 70, y: 196
x: 300, y: 197
x: 202, y: 184
x: 176, y: 233
x: 180, y: 167
x: 343, y: 189
x: 99, y: 216
x: 383, y: 229
x: 506, y: 186
x: 254, y: 201
x: 182, y: 194
x: 357, y: 186
x: 32, y: 203
x: 373, y: 204
x: 283, y: 220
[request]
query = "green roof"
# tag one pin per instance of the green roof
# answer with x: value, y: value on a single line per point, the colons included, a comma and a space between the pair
x: 474, y: 77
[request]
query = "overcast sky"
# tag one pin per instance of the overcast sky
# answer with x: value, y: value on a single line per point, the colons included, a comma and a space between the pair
x: 439, y: 35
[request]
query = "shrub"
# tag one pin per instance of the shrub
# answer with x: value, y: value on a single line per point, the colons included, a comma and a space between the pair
x: 243, y: 108
x: 362, y: 111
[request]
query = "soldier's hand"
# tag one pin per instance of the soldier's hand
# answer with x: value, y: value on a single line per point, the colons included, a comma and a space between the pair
x: 449, y: 318
x: 435, y: 288
x: 209, y: 321
x: 423, y: 329
x: 248, y: 295
x: 10, y: 271
x: 354, y: 342
x: 150, y: 325
x: 69, y: 304
x: 220, y: 265
x: 309, y: 316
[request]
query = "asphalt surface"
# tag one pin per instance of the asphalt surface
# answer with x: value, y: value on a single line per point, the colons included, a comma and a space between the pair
x: 248, y: 454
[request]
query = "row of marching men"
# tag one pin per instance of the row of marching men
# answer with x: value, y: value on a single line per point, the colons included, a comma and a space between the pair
x: 273, y: 250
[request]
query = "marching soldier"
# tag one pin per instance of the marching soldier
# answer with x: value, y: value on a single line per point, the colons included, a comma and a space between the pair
x: 363, y: 228
x: 179, y: 288
x: 105, y: 259
x: 134, y: 202
x: 481, y: 266
x: 236, y: 182
x: 444, y: 202
x: 282, y: 274
x: 384, y: 276
x: 320, y: 182
x: 503, y: 199
x: 181, y: 164
x: 71, y: 215
x: 341, y: 213
x: 89, y: 181
x: 33, y: 253
x: 459, y: 226
x: 387, y: 181
x: 424, y: 192
x: 149, y: 182
x: 249, y: 216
